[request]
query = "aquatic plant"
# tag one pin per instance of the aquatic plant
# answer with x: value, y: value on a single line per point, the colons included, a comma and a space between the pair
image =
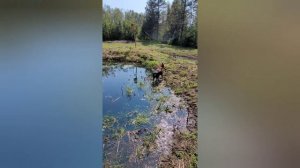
x: 148, y: 144
x: 149, y: 139
x: 119, y: 133
x: 168, y: 110
x: 140, y: 119
x: 129, y: 91
x: 141, y: 84
x: 107, y: 164
x: 139, y: 152
x: 149, y: 97
x: 181, y: 76
x: 155, y: 90
x: 162, y: 99
x: 109, y: 121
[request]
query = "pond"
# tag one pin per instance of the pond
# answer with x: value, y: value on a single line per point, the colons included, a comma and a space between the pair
x: 139, y: 117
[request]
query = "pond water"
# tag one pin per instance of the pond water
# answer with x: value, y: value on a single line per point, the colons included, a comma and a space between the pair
x: 139, y: 117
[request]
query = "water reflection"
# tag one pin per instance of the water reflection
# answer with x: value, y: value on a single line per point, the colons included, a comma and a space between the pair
x: 134, y: 107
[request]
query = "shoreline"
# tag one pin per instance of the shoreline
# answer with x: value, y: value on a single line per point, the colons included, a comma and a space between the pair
x: 184, y: 85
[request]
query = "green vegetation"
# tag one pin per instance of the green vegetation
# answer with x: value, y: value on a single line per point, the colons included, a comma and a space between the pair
x: 162, y: 99
x: 109, y: 121
x: 187, y: 153
x: 148, y: 144
x: 168, y: 110
x: 110, y: 165
x: 129, y: 91
x: 180, y: 76
x: 164, y: 33
x: 139, y: 152
x: 149, y: 139
x: 141, y: 84
x: 140, y: 119
x: 189, y: 136
x: 119, y: 133
x: 119, y: 25
x: 159, y: 22
x: 150, y: 64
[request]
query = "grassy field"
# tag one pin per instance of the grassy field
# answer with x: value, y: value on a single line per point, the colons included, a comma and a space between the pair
x: 180, y: 75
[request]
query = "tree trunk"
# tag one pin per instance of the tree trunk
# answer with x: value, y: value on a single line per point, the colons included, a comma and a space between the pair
x: 183, y: 19
x: 158, y: 13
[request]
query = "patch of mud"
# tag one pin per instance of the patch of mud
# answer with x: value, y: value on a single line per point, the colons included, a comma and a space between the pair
x: 170, y: 122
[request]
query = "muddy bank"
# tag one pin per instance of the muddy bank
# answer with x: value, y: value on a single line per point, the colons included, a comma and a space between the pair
x: 175, y: 79
x: 180, y: 76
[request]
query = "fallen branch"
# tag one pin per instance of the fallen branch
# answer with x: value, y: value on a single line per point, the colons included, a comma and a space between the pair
x: 116, y: 99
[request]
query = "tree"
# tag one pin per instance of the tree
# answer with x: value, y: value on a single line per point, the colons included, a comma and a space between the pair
x: 174, y: 23
x: 119, y: 25
x: 151, y: 19
x: 161, y: 6
x: 181, y: 23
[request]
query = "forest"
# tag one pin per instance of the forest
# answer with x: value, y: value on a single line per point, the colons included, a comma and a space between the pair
x: 174, y: 24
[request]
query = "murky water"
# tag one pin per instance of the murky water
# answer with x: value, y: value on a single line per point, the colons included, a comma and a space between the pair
x: 139, y: 117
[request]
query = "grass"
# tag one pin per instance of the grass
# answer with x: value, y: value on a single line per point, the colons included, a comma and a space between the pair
x: 150, y: 64
x: 149, y: 143
x: 188, y: 153
x: 180, y: 75
x: 129, y: 91
x: 168, y: 110
x: 110, y: 165
x: 149, y: 139
x: 140, y: 119
x: 141, y: 84
x: 162, y: 99
x: 109, y: 121
x: 119, y: 133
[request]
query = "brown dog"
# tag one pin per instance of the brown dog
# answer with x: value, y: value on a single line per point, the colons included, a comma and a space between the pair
x: 158, y: 72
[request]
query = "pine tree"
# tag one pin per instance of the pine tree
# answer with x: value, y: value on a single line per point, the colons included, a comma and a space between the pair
x: 150, y: 22
x: 150, y: 28
x: 161, y: 6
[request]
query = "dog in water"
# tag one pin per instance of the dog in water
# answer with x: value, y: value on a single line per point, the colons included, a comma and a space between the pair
x: 158, y: 72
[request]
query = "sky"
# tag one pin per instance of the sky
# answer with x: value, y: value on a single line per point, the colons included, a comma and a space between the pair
x: 136, y: 5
